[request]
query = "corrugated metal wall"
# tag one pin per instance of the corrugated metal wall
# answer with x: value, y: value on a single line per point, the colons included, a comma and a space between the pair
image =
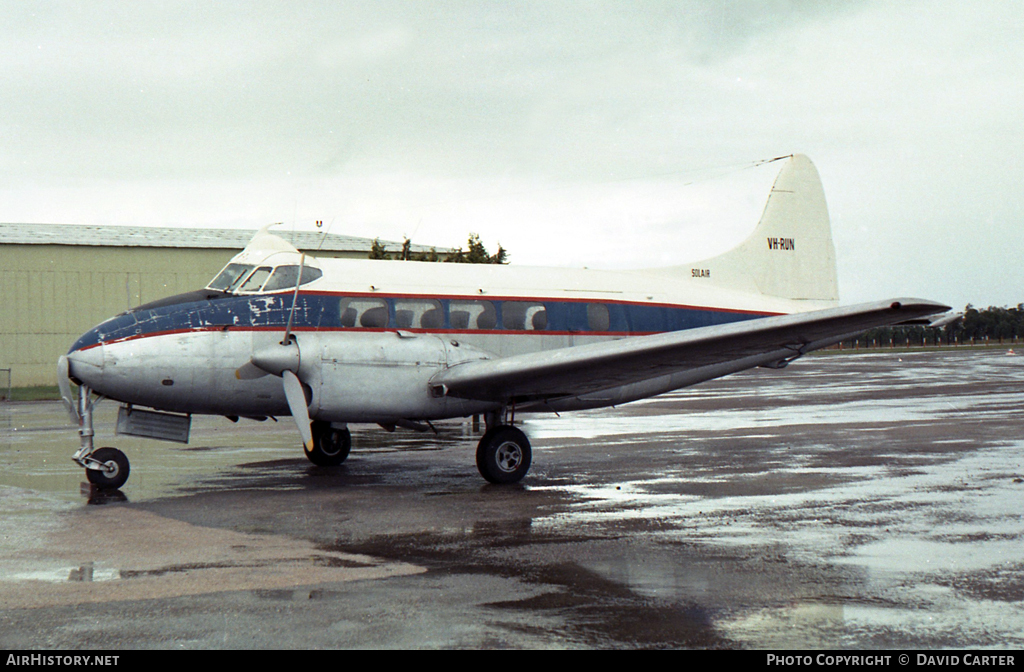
x: 51, y: 294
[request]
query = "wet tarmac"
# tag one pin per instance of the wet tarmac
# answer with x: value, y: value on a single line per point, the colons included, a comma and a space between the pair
x: 865, y: 501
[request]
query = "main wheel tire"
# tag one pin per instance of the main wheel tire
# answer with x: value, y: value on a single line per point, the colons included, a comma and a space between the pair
x: 115, y: 471
x: 330, y: 446
x: 503, y: 455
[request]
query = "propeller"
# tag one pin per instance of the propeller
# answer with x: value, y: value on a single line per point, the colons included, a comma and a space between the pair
x: 296, y: 397
x: 282, y: 359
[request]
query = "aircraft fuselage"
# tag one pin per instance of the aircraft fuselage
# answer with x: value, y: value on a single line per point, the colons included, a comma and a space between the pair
x: 334, y: 341
x: 363, y: 357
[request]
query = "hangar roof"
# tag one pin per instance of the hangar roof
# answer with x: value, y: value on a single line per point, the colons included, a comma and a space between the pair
x: 146, y: 236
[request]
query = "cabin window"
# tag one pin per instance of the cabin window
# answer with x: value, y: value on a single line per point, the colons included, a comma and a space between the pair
x: 472, y: 315
x: 284, y: 277
x: 256, y: 280
x: 365, y: 313
x: 228, y: 279
x: 597, y: 317
x: 524, y: 315
x: 418, y: 314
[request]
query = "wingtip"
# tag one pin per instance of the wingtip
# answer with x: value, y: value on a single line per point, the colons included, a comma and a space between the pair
x: 918, y: 304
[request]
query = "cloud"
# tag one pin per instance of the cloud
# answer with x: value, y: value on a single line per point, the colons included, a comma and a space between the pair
x: 546, y: 126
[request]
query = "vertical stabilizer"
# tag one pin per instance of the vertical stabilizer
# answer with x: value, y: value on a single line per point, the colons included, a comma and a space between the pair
x: 790, y: 254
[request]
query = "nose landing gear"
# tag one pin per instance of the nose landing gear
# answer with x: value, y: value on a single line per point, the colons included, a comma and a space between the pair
x: 106, y: 468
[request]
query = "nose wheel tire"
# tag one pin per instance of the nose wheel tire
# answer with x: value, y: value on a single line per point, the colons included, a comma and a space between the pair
x: 114, y: 471
x: 330, y: 446
x: 503, y: 455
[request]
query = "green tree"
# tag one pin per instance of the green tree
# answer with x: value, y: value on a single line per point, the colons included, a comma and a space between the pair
x: 476, y: 254
x: 992, y: 323
x: 378, y: 251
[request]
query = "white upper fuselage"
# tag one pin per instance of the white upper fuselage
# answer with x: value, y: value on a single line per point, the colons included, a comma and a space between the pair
x: 372, y: 335
x: 652, y: 286
x: 365, y: 367
x: 498, y: 282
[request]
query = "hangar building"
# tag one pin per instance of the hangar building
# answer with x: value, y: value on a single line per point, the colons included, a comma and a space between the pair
x: 59, y: 280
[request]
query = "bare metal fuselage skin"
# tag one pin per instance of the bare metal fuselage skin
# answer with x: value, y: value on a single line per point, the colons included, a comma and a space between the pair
x: 185, y: 356
x: 375, y: 340
x: 333, y: 341
x: 363, y: 377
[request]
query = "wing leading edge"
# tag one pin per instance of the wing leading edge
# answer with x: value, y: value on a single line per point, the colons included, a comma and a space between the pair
x: 642, y: 366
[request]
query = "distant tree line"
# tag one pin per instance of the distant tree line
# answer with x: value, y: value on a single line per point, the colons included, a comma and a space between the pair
x: 992, y: 325
x: 475, y: 254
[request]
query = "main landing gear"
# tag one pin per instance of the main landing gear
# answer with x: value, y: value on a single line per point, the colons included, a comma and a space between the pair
x: 331, y: 445
x: 106, y: 468
x: 503, y: 455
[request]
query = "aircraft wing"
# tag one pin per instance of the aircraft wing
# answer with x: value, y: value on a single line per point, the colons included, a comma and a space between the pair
x: 675, y: 358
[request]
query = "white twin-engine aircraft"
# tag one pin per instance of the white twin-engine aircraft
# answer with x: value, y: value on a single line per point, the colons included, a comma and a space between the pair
x: 336, y: 341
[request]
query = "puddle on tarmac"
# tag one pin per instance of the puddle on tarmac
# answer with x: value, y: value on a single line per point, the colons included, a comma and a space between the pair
x: 820, y: 392
x: 930, y: 543
x: 942, y: 535
x: 37, y: 442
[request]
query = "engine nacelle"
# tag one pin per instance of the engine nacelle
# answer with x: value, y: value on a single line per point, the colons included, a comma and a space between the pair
x: 384, y: 377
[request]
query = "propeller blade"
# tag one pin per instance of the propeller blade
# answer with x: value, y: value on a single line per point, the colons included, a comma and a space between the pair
x: 296, y: 397
x: 64, y: 383
x: 249, y: 371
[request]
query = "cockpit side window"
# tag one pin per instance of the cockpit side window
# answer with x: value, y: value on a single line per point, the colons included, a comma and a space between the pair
x: 228, y: 279
x: 309, y: 274
x: 284, y: 277
x: 255, y: 280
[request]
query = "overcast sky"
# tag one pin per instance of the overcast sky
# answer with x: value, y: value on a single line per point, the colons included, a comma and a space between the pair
x: 611, y: 135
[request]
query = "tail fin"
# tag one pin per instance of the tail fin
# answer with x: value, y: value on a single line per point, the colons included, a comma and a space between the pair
x: 790, y: 254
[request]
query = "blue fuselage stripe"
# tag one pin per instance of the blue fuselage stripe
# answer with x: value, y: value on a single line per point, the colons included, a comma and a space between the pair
x: 319, y: 311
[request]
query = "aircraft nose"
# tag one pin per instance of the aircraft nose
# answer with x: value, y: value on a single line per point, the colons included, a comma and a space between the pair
x: 86, y: 365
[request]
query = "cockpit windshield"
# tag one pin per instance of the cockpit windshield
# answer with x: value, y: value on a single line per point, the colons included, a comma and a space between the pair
x: 256, y: 280
x: 242, y: 278
x: 228, y: 279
